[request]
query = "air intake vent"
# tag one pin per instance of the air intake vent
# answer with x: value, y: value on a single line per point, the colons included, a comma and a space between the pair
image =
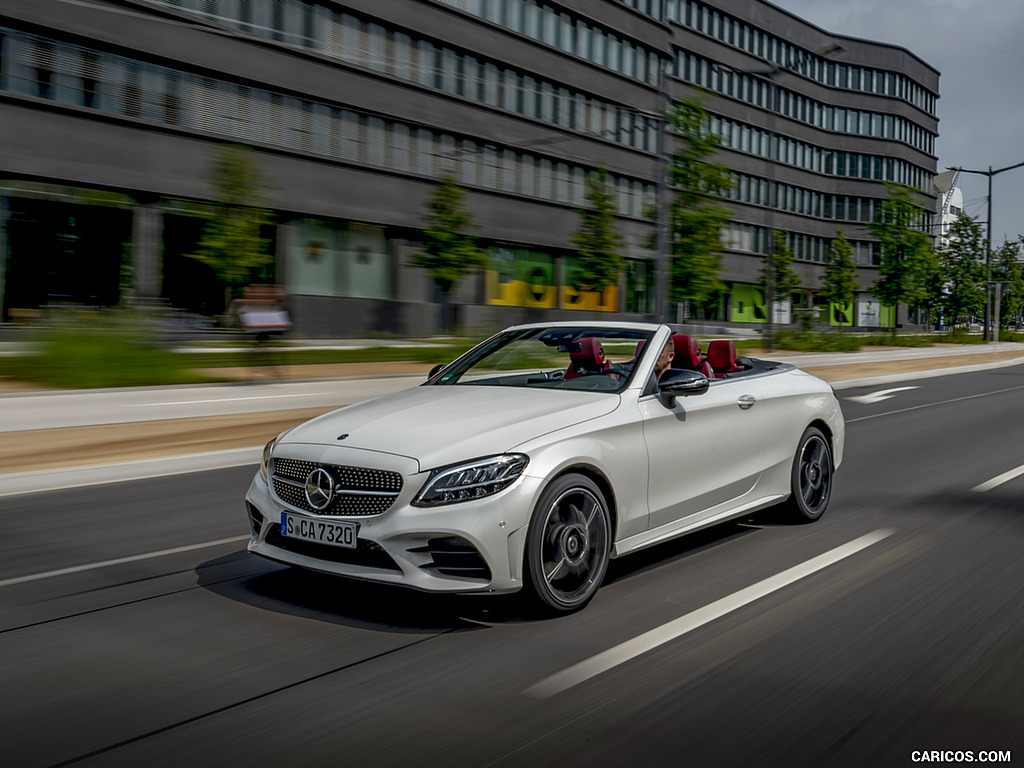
x: 454, y: 556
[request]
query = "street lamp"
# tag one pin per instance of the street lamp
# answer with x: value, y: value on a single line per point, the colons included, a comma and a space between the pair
x: 987, y: 334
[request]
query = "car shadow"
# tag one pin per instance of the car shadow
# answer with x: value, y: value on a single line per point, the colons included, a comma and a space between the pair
x: 679, y: 549
x: 295, y: 592
x: 349, y: 602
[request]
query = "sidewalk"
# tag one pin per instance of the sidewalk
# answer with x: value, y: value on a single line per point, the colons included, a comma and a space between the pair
x: 69, y: 439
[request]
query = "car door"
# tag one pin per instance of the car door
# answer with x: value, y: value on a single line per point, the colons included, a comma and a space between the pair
x: 705, y: 450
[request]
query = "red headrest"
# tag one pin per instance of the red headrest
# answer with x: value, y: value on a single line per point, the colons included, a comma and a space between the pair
x: 722, y: 354
x: 687, y: 351
x: 590, y: 356
x: 639, y: 348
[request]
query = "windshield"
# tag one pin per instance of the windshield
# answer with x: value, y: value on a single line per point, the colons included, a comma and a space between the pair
x: 599, y: 359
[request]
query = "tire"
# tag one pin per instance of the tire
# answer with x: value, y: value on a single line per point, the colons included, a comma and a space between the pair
x: 567, y: 545
x: 811, y: 477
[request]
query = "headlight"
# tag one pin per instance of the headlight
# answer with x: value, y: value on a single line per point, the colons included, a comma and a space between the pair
x: 472, y: 480
x: 265, y: 460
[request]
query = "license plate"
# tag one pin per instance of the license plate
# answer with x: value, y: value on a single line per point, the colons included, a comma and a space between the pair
x: 334, y: 533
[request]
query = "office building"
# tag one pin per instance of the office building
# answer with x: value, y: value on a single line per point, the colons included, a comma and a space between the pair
x: 110, y: 112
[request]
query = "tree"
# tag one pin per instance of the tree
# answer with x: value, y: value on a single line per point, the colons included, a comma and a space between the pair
x: 962, y: 271
x: 778, y: 277
x: 449, y: 251
x: 232, y: 241
x: 697, y: 216
x: 839, y: 285
x: 599, y: 261
x: 1006, y: 266
x: 908, y: 264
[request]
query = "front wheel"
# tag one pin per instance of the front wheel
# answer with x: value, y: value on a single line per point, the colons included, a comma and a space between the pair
x: 568, y: 544
x: 811, y: 478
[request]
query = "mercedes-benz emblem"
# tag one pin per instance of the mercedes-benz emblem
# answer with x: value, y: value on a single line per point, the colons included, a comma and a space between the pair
x: 319, y: 488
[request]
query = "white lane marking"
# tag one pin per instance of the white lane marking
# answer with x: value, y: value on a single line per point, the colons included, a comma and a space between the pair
x: 932, y: 405
x: 119, y: 561
x: 1000, y: 479
x: 227, y: 399
x: 877, y: 397
x: 620, y: 654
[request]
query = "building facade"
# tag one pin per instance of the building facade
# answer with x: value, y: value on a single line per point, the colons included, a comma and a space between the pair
x: 109, y: 112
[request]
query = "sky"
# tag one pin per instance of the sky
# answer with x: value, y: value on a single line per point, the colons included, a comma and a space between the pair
x: 976, y: 46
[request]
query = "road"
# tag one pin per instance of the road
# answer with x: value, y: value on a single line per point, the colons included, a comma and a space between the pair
x: 136, y: 631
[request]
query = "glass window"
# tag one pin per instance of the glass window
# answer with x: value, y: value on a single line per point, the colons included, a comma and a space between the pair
x: 513, y: 92
x: 375, y: 141
x: 547, y: 102
x: 490, y: 85
x: 568, y: 34
x: 468, y: 163
x: 597, y: 47
x: 529, y: 100
x: 527, y: 178
x: 446, y: 161
x: 544, y: 179
x: 583, y: 40
x: 398, y: 156
x: 533, y: 20
x: 403, y: 56
x: 628, y: 60
x: 550, y: 30
x: 351, y: 135
x: 427, y: 70
x: 449, y: 71
x: 514, y: 14
x: 509, y: 170
x: 470, y: 80
x: 424, y: 152
x: 562, y: 181
x: 578, y: 186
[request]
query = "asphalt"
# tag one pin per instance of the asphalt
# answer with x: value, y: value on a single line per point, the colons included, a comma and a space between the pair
x: 67, y: 439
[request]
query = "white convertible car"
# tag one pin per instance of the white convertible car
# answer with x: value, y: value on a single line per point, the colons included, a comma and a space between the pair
x: 541, y: 453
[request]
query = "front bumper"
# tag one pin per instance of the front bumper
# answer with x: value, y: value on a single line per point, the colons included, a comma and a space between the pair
x: 473, y: 546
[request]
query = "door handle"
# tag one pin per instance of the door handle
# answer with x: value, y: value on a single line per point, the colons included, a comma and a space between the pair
x: 746, y: 401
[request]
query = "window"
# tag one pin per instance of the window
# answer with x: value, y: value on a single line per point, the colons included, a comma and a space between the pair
x: 399, y: 147
x: 424, y: 152
x: 509, y: 168
x: 351, y: 135
x: 544, y: 179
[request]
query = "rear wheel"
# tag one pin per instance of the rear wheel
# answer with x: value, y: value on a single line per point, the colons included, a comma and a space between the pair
x: 811, y: 477
x: 568, y: 544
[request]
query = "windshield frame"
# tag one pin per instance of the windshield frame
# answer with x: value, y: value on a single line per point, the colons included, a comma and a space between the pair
x: 561, y: 338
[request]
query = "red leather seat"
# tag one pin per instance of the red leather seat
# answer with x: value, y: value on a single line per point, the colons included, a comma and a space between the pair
x: 688, y: 355
x: 722, y: 357
x: 590, y: 359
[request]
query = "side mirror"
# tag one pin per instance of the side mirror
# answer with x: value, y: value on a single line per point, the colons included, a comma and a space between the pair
x: 435, y: 370
x: 676, y: 383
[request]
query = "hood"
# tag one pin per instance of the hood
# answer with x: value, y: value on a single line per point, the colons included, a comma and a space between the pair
x: 440, y: 425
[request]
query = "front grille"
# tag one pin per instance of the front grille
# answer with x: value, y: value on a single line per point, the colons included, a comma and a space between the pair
x: 367, y: 554
x: 454, y: 556
x: 357, y: 491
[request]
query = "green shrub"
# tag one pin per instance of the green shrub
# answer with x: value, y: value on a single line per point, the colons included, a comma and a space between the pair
x: 809, y: 341
x: 88, y: 350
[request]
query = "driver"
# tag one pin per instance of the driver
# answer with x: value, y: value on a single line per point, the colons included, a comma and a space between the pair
x: 668, y: 354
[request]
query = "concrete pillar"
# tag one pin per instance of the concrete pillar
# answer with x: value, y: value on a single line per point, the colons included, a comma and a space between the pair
x: 147, y: 251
